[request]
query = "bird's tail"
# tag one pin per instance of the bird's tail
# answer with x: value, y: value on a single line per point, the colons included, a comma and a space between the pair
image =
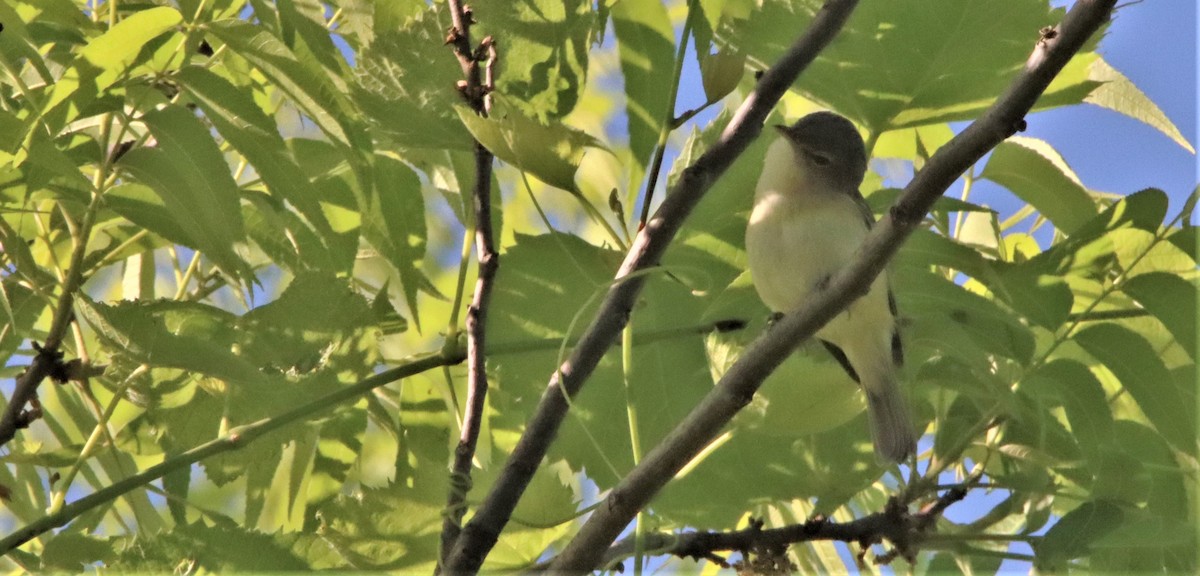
x: 891, y: 426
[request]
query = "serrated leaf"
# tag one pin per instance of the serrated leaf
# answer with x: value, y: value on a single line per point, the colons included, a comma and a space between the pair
x: 255, y: 135
x: 394, y: 222
x: 74, y: 551
x: 543, y: 49
x: 105, y: 57
x: 1142, y: 373
x: 310, y: 88
x: 1172, y: 300
x: 1090, y: 250
x: 646, y: 45
x: 1037, y: 174
x: 552, y: 152
x: 191, y: 336
x: 405, y: 81
x: 1119, y: 94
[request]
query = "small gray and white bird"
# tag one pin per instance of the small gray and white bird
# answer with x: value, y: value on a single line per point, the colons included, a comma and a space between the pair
x: 809, y: 218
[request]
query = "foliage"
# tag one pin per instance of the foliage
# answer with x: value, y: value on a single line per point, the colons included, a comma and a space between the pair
x: 270, y: 201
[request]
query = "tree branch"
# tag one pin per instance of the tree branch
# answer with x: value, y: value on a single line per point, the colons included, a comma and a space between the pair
x: 1052, y: 51
x: 477, y: 93
x: 482, y: 532
x: 48, y: 361
x: 895, y: 524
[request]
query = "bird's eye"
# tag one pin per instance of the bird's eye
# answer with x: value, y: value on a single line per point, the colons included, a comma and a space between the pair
x: 820, y: 159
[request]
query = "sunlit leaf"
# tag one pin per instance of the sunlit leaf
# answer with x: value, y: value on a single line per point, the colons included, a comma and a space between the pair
x: 1037, y: 174
x: 1144, y: 376
x: 551, y: 152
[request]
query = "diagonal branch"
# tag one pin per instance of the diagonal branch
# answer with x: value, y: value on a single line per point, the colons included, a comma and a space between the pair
x: 476, y: 91
x: 895, y: 524
x: 482, y: 532
x: 1052, y: 51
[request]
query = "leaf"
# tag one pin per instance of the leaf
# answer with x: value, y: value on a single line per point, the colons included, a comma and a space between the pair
x: 1037, y: 174
x: 190, y: 336
x: 1083, y: 399
x: 245, y: 126
x: 1073, y: 535
x: 896, y: 65
x: 720, y: 73
x: 1119, y: 94
x: 1172, y: 300
x: 1090, y: 250
x: 102, y: 61
x: 552, y: 152
x: 959, y: 321
x: 1147, y: 380
x: 73, y: 551
x: 221, y: 548
x: 405, y: 82
x: 546, y: 289
x: 189, y: 173
x: 544, y: 50
x: 646, y: 45
x: 1044, y: 299
x: 394, y: 222
x: 309, y: 87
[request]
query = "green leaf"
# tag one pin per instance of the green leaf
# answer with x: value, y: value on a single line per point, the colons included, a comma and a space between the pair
x: 73, y: 552
x: 105, y: 57
x: 546, y: 289
x: 140, y: 205
x: 309, y: 87
x: 189, y: 173
x: 394, y: 222
x: 1142, y: 373
x: 1083, y: 399
x: 190, y: 336
x: 405, y: 81
x: 248, y: 128
x: 551, y: 152
x: 1044, y: 299
x: 1119, y: 94
x: 1037, y: 174
x: 221, y: 548
x: 1090, y: 250
x: 959, y: 321
x: 1172, y: 300
x: 646, y: 45
x: 889, y: 68
x: 1073, y: 535
x: 544, y: 51
x: 720, y: 73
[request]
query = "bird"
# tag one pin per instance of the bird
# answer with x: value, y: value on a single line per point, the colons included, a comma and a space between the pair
x: 808, y: 220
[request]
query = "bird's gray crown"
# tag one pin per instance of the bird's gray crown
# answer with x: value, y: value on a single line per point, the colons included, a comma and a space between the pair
x: 832, y: 136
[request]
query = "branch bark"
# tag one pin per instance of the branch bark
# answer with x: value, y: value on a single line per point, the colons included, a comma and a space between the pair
x: 476, y: 91
x: 482, y: 532
x: 895, y: 524
x: 1006, y: 116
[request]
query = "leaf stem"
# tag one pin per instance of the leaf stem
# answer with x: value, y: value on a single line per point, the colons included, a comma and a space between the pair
x: 668, y: 116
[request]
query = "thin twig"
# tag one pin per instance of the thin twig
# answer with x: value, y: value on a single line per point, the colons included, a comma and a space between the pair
x: 477, y: 92
x: 482, y: 532
x: 739, y: 384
